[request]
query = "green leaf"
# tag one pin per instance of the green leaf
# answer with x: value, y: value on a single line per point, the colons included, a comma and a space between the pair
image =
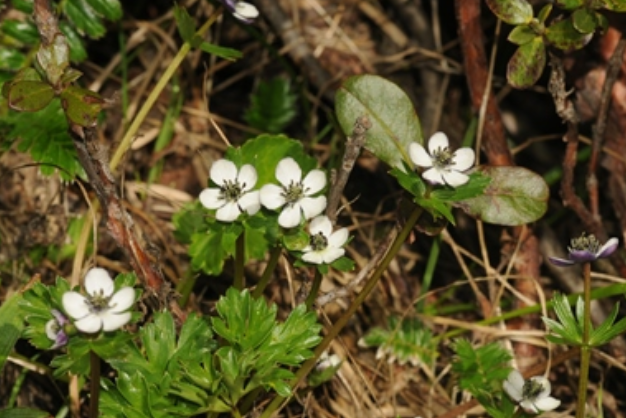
x: 527, y: 64
x: 563, y: 35
x: 54, y: 58
x: 220, y: 51
x: 515, y: 196
x: 584, y: 20
x: 189, y: 220
x: 25, y: 6
x: 614, y: 5
x: 543, y: 14
x: 84, y: 17
x: 295, y: 239
x: 23, y: 413
x: 11, y: 326
x: 569, y: 4
x: 110, y: 9
x: 513, y: 12
x: 184, y: 22
x: 82, y: 106
x: 78, y: 53
x: 159, y: 341
x: 22, y: 31
x: 29, y: 96
x: 11, y: 59
x: 476, y: 186
x: 521, y: 35
x: 272, y: 106
x: 394, y: 121
x: 343, y: 264
x: 207, y: 253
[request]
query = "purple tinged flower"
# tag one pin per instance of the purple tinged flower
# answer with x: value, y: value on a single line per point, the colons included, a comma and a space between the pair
x: 242, y: 10
x: 585, y: 249
x: 55, y: 330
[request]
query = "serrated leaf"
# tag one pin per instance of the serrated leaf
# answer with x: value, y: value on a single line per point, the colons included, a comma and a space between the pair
x: 82, y: 106
x: 515, y: 196
x: 584, y: 20
x: 184, y: 23
x: 78, y: 53
x: 564, y: 36
x: 29, y: 96
x: 22, y: 31
x: 527, y: 64
x: 220, y: 51
x: 569, y: 4
x: 394, y: 121
x: 11, y: 326
x: 207, y: 253
x: 513, y: 12
x: 84, y: 17
x: 110, y: 9
x: 521, y: 35
x: 272, y: 106
x: 23, y: 413
x: 159, y: 341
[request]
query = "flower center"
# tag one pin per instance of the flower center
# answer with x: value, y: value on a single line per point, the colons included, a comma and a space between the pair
x: 293, y: 193
x: 585, y: 243
x: 318, y: 242
x: 98, y: 302
x: 531, y: 389
x: 231, y: 190
x: 442, y: 157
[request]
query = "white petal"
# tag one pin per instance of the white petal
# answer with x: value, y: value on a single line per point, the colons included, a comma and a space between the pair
x: 455, y: 178
x: 247, y: 177
x: 338, y: 238
x: 321, y: 224
x: 312, y: 206
x: 271, y: 196
x: 314, y: 182
x: 547, y: 404
x: 330, y: 254
x: 529, y: 406
x: 112, y: 321
x: 288, y: 171
x: 439, y: 140
x: 463, y: 159
x: 419, y: 156
x: 434, y: 176
x: 290, y: 216
x: 250, y: 202
x: 122, y: 300
x: 245, y: 10
x: 99, y: 282
x: 223, y: 170
x: 228, y: 213
x: 514, y: 385
x: 75, y: 305
x: 546, y: 388
x: 313, y: 257
x: 52, y: 329
x: 210, y: 198
x: 89, y: 324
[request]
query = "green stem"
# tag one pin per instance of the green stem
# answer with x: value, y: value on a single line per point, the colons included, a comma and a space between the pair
x: 156, y: 92
x: 185, y: 286
x: 427, y: 278
x: 315, y: 288
x: 332, y: 334
x: 94, y: 384
x: 585, y: 349
x: 267, y: 273
x: 240, y: 249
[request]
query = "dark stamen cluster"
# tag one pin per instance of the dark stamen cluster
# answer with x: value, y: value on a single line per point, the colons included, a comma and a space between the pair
x: 585, y: 243
x: 531, y: 389
x: 293, y: 192
x: 318, y: 242
x: 442, y: 157
x: 231, y: 190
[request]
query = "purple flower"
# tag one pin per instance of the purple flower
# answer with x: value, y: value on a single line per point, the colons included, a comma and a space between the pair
x: 242, y: 10
x: 55, y: 331
x: 586, y: 249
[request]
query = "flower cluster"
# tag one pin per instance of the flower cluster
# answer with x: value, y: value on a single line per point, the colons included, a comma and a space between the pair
x: 296, y: 196
x: 533, y: 395
x: 442, y: 165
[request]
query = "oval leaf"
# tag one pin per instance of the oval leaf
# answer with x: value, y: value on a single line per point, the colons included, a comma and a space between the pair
x: 515, y: 196
x: 527, y: 64
x: 513, y: 12
x: 29, y: 96
x: 564, y: 36
x: 81, y: 106
x: 521, y: 35
x: 614, y: 5
x: 570, y: 4
x: 394, y: 121
x: 54, y: 58
x: 584, y: 20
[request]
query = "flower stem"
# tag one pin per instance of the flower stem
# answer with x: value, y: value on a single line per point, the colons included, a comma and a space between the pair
x: 267, y: 273
x: 315, y: 288
x: 240, y: 249
x: 185, y: 286
x: 94, y: 384
x: 585, y: 349
x: 356, y: 304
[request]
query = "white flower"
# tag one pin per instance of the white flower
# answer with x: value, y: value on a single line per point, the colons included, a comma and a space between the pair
x: 325, y: 361
x: 55, y: 329
x: 295, y: 193
x: 325, y: 245
x: 242, y: 10
x: 233, y: 194
x: 104, y: 308
x: 444, y: 167
x: 533, y: 394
